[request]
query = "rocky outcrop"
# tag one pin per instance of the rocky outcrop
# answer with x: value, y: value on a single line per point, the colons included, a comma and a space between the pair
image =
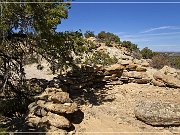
x: 83, y: 77
x: 170, y: 71
x: 116, y: 74
x: 166, y: 80
x: 126, y: 72
x: 50, y: 109
x: 158, y: 113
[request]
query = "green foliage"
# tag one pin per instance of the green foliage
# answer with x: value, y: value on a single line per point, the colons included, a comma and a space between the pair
x: 37, y: 17
x: 108, y: 38
x: 102, y: 35
x: 58, y: 47
x: 26, y: 29
x: 175, y: 61
x: 100, y: 58
x: 36, y: 23
x: 3, y: 131
x: 129, y: 45
x: 89, y: 34
x: 160, y: 60
x: 147, y: 53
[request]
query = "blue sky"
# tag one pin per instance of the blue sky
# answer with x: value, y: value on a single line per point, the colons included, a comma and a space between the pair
x: 156, y: 26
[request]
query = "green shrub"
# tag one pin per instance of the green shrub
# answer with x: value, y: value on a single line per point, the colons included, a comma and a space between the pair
x: 129, y: 45
x: 108, y: 38
x: 89, y: 34
x: 147, y: 53
x: 175, y: 61
x: 100, y: 58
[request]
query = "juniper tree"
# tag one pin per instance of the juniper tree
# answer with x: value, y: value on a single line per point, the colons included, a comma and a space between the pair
x: 28, y: 27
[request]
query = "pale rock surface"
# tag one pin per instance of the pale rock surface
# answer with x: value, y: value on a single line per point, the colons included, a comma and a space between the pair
x: 158, y: 113
x: 168, y: 80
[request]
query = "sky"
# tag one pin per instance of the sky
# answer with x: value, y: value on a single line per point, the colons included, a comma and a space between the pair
x: 152, y: 25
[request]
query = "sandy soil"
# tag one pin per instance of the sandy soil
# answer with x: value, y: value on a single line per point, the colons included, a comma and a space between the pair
x: 32, y: 71
x: 116, y: 113
x: 117, y: 117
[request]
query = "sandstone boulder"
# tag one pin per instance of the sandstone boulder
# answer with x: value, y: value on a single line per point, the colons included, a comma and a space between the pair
x: 168, y: 80
x: 131, y: 67
x: 60, y: 97
x: 126, y: 62
x: 115, y: 67
x: 33, y: 120
x: 169, y: 71
x: 56, y: 120
x: 158, y: 83
x: 158, y: 113
x: 61, y: 108
x: 50, y: 109
x: 145, y: 63
x: 55, y: 95
x: 135, y: 74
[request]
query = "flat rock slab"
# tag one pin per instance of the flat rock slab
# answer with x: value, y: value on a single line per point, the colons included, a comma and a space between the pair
x: 158, y: 113
x: 61, y: 108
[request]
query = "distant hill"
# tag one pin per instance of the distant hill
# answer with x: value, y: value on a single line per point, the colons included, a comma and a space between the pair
x: 172, y: 54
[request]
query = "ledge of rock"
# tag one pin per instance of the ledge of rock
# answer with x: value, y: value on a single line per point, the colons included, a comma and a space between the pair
x: 158, y: 113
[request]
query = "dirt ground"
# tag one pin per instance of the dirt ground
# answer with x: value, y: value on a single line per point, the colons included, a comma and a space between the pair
x: 117, y: 116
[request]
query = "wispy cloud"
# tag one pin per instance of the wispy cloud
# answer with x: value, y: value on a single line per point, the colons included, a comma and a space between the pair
x: 164, y: 38
x: 150, y: 35
x: 165, y: 45
x: 161, y: 28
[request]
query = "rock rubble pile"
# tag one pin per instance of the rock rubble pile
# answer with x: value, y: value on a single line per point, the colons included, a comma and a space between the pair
x: 117, y: 74
x: 49, y: 111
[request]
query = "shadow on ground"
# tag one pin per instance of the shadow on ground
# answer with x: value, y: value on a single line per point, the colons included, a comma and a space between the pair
x: 84, y: 87
x: 18, y: 125
x: 95, y: 95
